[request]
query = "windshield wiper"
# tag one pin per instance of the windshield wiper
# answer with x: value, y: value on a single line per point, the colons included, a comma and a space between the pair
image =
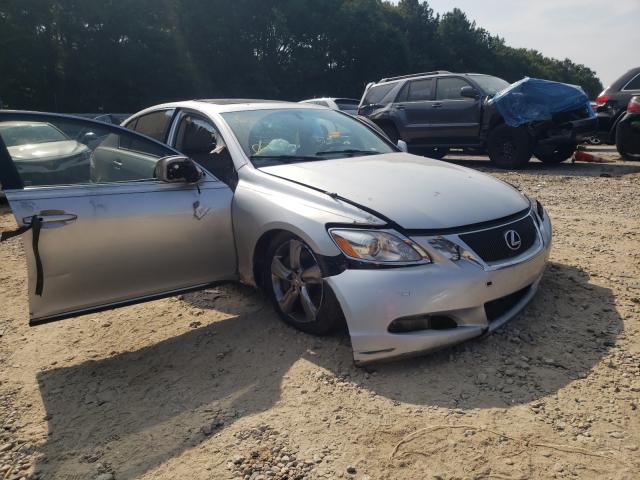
x: 349, y: 152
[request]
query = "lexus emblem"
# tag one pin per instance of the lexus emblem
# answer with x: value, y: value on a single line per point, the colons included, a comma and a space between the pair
x: 512, y: 239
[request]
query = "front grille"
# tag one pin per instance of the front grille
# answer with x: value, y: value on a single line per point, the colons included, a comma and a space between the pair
x: 496, y: 308
x: 492, y: 245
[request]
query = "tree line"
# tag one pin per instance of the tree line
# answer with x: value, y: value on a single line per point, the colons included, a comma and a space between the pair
x: 120, y: 56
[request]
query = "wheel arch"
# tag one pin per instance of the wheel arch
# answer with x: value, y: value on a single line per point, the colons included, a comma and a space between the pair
x: 258, y: 258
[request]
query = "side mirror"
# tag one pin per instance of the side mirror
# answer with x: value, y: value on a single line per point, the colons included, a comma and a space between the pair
x: 178, y: 169
x: 89, y: 137
x: 469, y: 92
x: 402, y: 145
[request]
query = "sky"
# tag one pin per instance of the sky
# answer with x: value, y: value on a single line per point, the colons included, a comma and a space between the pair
x: 604, y: 36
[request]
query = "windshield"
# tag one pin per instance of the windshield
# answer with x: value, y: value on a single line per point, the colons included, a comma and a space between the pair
x: 490, y: 85
x: 272, y: 137
x: 30, y: 133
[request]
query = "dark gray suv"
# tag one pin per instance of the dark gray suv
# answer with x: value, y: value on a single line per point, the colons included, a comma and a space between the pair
x: 436, y: 111
x: 612, y: 104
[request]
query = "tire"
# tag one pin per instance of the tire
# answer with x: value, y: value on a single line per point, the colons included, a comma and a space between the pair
x: 288, y: 287
x: 622, y: 144
x: 552, y: 154
x: 391, y: 132
x: 509, y: 147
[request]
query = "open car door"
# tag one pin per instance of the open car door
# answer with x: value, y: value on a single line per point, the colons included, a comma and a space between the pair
x: 108, y: 216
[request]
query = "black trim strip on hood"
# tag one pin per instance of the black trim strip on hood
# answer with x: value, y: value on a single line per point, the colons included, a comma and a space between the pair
x: 467, y: 228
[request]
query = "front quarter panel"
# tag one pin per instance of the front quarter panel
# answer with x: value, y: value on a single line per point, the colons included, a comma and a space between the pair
x: 264, y: 204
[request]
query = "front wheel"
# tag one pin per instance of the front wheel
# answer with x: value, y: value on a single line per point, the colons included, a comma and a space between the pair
x: 551, y: 154
x: 509, y: 147
x: 294, y: 282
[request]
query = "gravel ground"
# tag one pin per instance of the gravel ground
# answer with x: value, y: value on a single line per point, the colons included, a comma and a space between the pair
x: 212, y: 385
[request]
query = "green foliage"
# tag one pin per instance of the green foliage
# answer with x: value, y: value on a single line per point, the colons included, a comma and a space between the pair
x: 114, y: 55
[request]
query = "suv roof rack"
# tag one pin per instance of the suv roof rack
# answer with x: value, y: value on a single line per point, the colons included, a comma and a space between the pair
x: 435, y: 72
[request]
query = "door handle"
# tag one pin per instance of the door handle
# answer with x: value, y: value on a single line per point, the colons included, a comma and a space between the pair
x: 117, y: 163
x: 400, y: 107
x: 436, y: 105
x: 52, y: 216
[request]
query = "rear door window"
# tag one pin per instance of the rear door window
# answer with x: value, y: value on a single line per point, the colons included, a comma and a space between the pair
x: 449, y: 89
x: 634, y: 84
x: 154, y: 124
x: 377, y: 93
x: 420, y: 90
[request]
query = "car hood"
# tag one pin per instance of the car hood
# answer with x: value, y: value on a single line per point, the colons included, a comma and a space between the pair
x: 414, y: 192
x: 42, y: 151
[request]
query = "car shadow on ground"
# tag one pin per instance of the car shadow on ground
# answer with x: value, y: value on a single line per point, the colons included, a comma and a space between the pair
x: 135, y: 410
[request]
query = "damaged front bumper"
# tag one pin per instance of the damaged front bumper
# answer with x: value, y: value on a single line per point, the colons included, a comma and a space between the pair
x: 572, y: 132
x: 464, y: 299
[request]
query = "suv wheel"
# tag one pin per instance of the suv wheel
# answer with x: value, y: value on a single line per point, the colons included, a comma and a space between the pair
x: 554, y: 153
x: 623, y: 140
x: 509, y: 147
x: 294, y: 283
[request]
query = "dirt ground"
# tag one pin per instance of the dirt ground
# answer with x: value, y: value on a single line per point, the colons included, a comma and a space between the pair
x: 212, y: 385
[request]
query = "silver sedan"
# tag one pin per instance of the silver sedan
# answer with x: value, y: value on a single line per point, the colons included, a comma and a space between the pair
x: 333, y: 221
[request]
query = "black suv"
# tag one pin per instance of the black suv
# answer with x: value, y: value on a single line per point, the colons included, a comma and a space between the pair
x: 612, y: 104
x: 436, y: 111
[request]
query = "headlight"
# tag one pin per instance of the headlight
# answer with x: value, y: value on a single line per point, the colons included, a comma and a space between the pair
x: 446, y: 247
x: 378, y: 247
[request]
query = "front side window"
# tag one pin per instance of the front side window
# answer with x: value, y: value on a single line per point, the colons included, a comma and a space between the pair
x: 200, y: 140
x: 490, y: 85
x: 278, y: 136
x: 23, y: 133
x: 154, y: 125
x: 50, y: 151
x: 449, y: 89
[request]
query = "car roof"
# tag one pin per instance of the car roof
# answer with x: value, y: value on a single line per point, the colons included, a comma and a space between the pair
x: 417, y: 76
x: 330, y: 98
x: 235, y: 101
x: 217, y: 106
x: 622, y: 81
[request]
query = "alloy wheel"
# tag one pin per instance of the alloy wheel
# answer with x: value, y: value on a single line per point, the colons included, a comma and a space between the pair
x: 507, y: 149
x: 297, y: 281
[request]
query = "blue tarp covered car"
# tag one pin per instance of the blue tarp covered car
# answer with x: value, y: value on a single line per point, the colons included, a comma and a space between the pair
x: 533, y: 99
